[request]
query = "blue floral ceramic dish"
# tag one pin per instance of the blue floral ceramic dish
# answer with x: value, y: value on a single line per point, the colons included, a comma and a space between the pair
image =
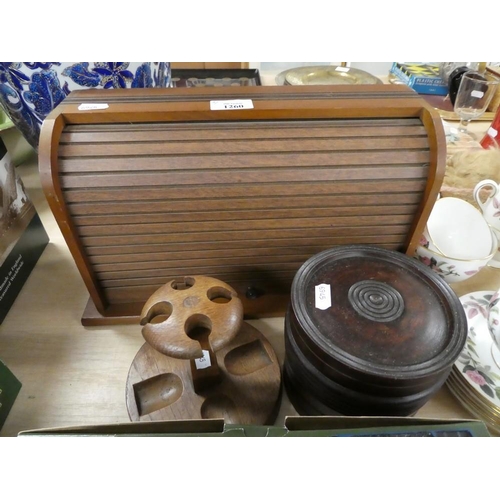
x: 29, y: 91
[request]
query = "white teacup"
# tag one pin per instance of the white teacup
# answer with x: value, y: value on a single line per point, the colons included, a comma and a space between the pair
x: 454, y: 270
x: 458, y: 230
x: 491, y: 206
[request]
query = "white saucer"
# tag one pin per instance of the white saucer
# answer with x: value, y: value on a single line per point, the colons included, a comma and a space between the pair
x: 476, y: 364
x: 471, y: 404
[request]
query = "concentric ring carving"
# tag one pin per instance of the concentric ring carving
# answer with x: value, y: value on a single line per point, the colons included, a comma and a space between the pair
x: 376, y: 301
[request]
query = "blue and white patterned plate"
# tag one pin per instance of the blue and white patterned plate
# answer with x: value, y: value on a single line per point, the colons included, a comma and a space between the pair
x: 29, y: 91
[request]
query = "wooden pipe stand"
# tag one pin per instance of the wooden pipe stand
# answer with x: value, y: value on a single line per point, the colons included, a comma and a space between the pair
x: 200, y: 359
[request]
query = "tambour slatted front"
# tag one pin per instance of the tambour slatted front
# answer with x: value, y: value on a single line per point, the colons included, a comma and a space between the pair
x: 157, y: 186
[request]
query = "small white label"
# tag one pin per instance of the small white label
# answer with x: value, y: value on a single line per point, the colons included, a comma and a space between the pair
x: 323, y: 296
x: 86, y: 107
x: 342, y: 68
x: 203, y: 362
x: 233, y: 104
x: 492, y: 132
x: 477, y: 93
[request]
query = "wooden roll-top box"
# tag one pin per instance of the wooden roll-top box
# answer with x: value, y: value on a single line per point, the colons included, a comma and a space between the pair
x: 153, y: 184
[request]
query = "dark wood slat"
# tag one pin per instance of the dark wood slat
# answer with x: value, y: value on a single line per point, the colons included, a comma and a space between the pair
x: 137, y: 252
x: 277, y: 190
x: 240, y: 215
x: 140, y: 293
x: 249, y: 126
x: 220, y: 227
x: 75, y: 134
x: 149, y: 257
x: 340, y: 202
x: 216, y: 261
x: 197, y: 147
x: 344, y: 234
x: 107, y: 277
x: 242, y: 127
x: 239, y: 176
x: 159, y: 280
x: 233, y: 162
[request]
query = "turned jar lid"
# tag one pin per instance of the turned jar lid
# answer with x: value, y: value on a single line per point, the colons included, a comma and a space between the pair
x: 378, y: 312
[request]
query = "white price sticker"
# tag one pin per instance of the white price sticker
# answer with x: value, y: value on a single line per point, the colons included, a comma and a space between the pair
x: 477, y: 93
x: 492, y: 132
x: 86, y: 107
x: 203, y: 362
x: 323, y: 296
x: 232, y: 104
x: 342, y: 68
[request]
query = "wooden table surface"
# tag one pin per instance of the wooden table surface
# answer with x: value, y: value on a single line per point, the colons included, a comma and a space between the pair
x: 73, y: 375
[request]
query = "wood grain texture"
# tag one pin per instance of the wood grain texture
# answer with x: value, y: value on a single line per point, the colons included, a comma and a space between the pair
x: 182, y: 310
x: 144, y: 188
x: 75, y: 376
x: 160, y: 387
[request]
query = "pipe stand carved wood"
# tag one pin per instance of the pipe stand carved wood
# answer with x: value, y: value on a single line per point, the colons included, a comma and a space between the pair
x: 200, y: 359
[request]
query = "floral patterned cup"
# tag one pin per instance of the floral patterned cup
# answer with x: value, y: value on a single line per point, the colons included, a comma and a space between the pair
x: 494, y: 325
x: 453, y: 270
x: 29, y: 91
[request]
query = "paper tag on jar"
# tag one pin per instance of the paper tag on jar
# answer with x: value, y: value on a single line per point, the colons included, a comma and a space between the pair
x: 231, y: 104
x: 203, y: 362
x: 323, y: 296
x: 96, y: 105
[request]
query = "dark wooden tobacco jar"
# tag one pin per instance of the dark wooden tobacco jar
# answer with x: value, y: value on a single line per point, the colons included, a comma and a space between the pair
x: 369, y: 331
